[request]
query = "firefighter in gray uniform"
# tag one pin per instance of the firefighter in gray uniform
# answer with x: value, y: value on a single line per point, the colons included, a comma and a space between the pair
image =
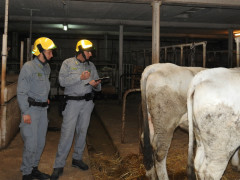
x: 79, y: 77
x: 32, y: 94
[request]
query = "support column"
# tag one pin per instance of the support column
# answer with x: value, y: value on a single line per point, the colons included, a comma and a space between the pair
x: 181, y: 58
x: 4, y: 53
x: 15, y: 46
x: 237, y: 39
x: 120, y: 61
x: 144, y: 58
x: 28, y: 49
x: 230, y: 47
x: 106, y: 47
x: 30, y: 37
x: 165, y: 55
x: 204, y: 54
x: 156, y: 31
x: 21, y: 55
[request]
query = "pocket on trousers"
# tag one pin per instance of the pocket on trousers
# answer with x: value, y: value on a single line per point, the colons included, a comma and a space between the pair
x: 26, y: 129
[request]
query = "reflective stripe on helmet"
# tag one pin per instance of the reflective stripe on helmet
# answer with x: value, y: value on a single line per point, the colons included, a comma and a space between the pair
x: 83, y: 44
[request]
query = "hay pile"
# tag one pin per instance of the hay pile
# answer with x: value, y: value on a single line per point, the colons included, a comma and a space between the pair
x: 114, y: 168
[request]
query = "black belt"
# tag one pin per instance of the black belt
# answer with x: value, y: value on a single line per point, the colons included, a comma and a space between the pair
x: 87, y: 97
x: 32, y: 102
x: 75, y: 97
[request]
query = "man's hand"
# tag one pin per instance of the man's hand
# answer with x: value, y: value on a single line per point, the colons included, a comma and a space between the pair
x: 27, y: 119
x: 85, y: 75
x: 94, y: 83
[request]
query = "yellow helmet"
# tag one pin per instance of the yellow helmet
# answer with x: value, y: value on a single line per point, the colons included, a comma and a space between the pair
x: 42, y: 43
x: 84, y: 45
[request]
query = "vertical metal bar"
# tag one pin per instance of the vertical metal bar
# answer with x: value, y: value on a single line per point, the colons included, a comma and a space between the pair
x: 144, y: 58
x: 106, y: 47
x: 156, y: 31
x: 165, y: 54
x: 237, y: 39
x: 124, y: 112
x: 230, y: 47
x: 120, y: 68
x: 204, y: 54
x: 28, y: 49
x: 181, y: 60
x: 4, y: 53
x: 129, y: 72
x: 30, y: 37
x: 21, y: 55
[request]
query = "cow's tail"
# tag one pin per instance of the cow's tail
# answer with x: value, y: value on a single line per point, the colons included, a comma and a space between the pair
x: 146, y: 146
x: 191, y: 173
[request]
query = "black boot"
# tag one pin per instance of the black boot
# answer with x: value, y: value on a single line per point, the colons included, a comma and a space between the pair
x: 27, y: 177
x: 36, y: 174
x: 80, y: 164
x: 56, y: 173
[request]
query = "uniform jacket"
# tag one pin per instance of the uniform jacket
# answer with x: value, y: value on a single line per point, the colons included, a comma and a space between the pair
x: 69, y: 77
x: 33, y: 82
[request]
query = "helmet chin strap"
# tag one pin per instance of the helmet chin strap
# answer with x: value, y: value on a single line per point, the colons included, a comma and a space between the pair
x: 85, y: 60
x: 46, y: 60
x: 84, y: 57
x: 41, y: 50
x: 81, y: 51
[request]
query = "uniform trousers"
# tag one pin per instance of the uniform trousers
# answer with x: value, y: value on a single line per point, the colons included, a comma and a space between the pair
x: 34, y: 136
x: 76, y: 118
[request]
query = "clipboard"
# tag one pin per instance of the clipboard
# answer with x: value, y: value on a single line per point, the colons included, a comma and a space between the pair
x: 102, y: 78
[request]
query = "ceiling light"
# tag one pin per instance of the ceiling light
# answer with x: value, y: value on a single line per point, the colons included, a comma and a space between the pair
x: 65, y: 27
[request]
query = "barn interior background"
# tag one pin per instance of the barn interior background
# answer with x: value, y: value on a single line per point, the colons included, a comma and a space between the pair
x: 192, y: 33
x: 181, y: 22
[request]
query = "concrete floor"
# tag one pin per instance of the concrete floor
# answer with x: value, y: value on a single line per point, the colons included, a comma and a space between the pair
x: 11, y: 157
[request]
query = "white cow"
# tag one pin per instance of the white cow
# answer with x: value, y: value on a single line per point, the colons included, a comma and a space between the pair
x: 164, y: 102
x: 214, y: 117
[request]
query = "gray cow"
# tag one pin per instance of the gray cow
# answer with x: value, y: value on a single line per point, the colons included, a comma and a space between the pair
x: 214, y: 117
x: 164, y: 103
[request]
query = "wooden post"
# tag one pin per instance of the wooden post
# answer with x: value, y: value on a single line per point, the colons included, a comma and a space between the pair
x: 4, y: 53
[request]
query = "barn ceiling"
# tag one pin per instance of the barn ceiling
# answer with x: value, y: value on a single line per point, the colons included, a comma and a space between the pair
x: 179, y: 18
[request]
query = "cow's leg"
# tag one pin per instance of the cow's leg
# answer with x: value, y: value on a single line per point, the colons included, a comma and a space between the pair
x: 211, y: 159
x: 235, y: 161
x: 213, y: 166
x: 199, y: 159
x: 161, y: 168
x: 151, y: 174
x: 161, y: 144
x: 166, y: 108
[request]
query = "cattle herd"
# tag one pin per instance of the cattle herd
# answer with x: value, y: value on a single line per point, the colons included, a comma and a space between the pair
x: 204, y: 101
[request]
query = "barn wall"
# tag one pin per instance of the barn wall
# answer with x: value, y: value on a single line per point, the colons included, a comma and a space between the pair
x: 9, y: 117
